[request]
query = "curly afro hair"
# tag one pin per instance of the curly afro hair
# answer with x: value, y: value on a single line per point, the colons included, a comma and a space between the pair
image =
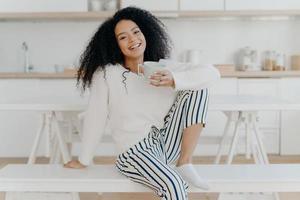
x: 103, y: 48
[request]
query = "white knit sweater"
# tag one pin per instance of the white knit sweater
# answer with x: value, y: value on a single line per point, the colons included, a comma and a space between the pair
x: 129, y: 112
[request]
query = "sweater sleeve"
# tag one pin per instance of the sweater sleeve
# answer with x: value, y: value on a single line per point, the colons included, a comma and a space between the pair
x: 191, y: 77
x: 95, y: 118
x: 195, y: 78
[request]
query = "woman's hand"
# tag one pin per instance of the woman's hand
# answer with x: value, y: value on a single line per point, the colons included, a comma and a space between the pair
x: 162, y: 78
x: 75, y: 164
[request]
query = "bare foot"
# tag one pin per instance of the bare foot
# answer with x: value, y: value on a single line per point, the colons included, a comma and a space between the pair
x: 75, y: 164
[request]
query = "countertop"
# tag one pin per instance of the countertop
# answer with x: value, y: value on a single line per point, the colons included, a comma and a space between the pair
x: 237, y: 74
x: 261, y: 74
x: 13, y: 75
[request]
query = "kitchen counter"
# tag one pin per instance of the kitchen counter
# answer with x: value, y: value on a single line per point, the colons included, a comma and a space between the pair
x: 261, y: 74
x: 4, y: 75
x: 236, y: 74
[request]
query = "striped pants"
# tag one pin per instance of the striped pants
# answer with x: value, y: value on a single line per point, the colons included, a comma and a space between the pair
x: 148, y: 162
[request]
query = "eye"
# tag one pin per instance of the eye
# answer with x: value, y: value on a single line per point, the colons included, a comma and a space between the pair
x: 136, y: 31
x: 122, y: 38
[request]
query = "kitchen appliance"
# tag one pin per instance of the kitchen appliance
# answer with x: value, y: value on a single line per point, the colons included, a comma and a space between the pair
x: 248, y: 60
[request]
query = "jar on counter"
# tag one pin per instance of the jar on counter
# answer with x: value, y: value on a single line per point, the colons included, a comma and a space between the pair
x: 280, y: 62
x: 269, y: 61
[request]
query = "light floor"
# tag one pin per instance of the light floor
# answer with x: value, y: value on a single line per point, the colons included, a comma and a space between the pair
x: 149, y: 196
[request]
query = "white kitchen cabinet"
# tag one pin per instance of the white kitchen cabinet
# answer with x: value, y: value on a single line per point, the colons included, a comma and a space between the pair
x: 43, y: 5
x: 269, y: 121
x: 153, y: 5
x: 262, y: 4
x: 290, y: 126
x: 192, y: 5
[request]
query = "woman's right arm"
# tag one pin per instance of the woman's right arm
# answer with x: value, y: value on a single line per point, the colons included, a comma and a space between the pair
x: 95, y: 119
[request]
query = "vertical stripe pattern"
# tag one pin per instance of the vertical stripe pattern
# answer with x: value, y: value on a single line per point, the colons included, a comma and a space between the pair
x: 148, y: 162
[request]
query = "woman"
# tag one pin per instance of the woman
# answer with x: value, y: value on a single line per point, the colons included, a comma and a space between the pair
x: 155, y: 122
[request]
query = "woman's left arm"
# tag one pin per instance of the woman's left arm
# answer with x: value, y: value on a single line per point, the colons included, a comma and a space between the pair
x: 198, y: 77
x: 188, y: 78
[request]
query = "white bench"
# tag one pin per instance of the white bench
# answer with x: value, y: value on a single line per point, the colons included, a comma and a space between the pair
x: 105, y: 178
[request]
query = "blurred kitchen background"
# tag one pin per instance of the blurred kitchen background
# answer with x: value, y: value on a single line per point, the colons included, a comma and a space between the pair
x: 255, y: 44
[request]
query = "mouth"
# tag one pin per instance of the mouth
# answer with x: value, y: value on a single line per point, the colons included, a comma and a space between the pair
x: 135, y: 46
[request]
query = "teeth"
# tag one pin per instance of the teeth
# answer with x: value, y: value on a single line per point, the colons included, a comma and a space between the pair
x: 135, y: 46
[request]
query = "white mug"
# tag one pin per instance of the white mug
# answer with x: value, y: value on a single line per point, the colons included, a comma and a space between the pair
x: 193, y: 56
x: 150, y: 68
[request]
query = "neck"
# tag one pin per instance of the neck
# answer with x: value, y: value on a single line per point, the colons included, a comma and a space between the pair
x: 132, y: 64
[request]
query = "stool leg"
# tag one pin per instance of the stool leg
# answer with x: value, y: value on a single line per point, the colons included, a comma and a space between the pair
x: 37, y: 140
x: 55, y: 154
x: 219, y: 152
x: 276, y: 196
x: 248, y: 138
x: 75, y: 196
x: 254, y: 151
x: 70, y: 136
x: 234, y: 142
x: 62, y: 144
x: 257, y: 150
x: 48, y: 131
x: 9, y: 196
x: 260, y: 144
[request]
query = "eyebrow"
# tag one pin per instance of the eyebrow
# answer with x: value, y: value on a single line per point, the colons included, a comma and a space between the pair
x: 124, y: 32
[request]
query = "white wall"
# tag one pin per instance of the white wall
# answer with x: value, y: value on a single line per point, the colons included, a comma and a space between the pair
x: 221, y: 40
x: 61, y: 43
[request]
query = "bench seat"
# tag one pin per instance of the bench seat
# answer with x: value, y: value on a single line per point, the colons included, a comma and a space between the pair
x: 105, y: 178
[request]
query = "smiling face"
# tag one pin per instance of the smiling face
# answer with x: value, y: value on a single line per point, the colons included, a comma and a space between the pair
x: 130, y: 39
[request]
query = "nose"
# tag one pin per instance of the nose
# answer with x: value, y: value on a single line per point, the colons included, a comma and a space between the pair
x: 132, y: 38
